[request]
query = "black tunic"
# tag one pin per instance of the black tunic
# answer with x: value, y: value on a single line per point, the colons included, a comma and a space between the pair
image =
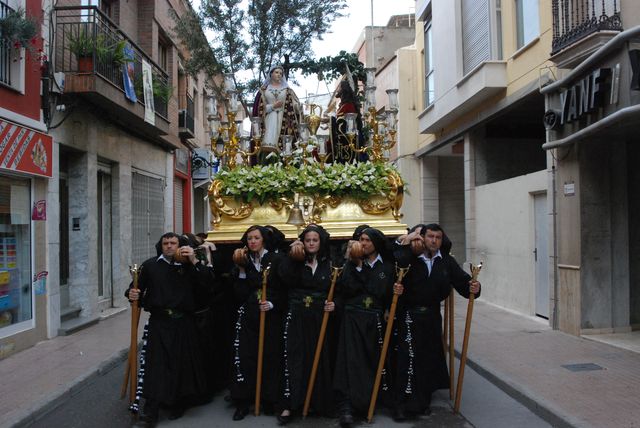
x: 420, y: 366
x: 247, y: 293
x: 307, y: 292
x: 366, y: 294
x: 174, y: 364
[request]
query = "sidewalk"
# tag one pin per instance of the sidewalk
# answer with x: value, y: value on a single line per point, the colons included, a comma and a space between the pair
x: 525, y: 357
x: 520, y: 354
x: 38, y: 379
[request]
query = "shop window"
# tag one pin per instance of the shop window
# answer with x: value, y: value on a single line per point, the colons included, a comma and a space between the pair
x: 16, y: 297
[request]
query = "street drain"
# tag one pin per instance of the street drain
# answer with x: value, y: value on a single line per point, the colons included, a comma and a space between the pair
x: 582, y: 367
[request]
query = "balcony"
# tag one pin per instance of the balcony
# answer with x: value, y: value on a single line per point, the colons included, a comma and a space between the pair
x: 471, y: 92
x: 185, y: 121
x: 584, y: 25
x: 90, y: 49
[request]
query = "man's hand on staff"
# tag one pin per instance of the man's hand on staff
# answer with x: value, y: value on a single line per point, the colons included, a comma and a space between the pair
x: 398, y: 289
x: 266, y: 306
x: 329, y: 306
x: 134, y: 294
x: 474, y: 287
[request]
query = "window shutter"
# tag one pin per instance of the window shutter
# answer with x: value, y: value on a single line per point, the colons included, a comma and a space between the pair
x: 476, y: 43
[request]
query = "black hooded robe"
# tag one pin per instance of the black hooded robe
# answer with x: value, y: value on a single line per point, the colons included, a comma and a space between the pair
x: 366, y: 294
x: 174, y: 372
x: 245, y: 344
x: 420, y: 365
x: 307, y: 292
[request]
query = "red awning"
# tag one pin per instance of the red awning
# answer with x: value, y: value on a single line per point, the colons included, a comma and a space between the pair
x: 25, y: 150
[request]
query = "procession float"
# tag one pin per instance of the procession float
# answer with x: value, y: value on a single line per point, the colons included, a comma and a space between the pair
x: 333, y: 171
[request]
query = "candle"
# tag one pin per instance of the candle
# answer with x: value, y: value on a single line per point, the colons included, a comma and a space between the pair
x: 322, y: 144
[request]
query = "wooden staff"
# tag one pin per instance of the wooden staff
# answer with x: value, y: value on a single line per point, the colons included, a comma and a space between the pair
x: 336, y: 271
x: 130, y: 375
x: 475, y: 271
x: 452, y: 354
x: 263, y: 299
x: 385, y: 344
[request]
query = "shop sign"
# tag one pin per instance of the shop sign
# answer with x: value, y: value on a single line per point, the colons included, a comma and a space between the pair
x: 25, y: 150
x: 585, y: 96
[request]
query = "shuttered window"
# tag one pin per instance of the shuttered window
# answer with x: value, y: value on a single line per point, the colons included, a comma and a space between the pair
x: 147, y: 215
x: 178, y: 195
x: 476, y: 41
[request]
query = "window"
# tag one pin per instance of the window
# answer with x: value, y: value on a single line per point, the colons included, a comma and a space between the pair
x: 16, y: 292
x: 12, y: 61
x: 429, y: 89
x: 163, y: 54
x: 476, y: 39
x: 527, y: 21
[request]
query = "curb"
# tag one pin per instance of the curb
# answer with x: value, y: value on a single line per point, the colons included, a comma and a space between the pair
x: 532, y: 401
x: 29, y: 416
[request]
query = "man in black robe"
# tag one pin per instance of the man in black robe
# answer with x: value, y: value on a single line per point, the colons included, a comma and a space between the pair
x: 173, y: 369
x: 366, y: 287
x: 420, y: 365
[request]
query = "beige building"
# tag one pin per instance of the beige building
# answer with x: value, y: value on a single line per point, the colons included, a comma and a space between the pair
x: 546, y: 204
x: 484, y: 173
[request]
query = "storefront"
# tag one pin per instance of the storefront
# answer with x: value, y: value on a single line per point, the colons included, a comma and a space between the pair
x: 25, y: 165
x: 592, y: 122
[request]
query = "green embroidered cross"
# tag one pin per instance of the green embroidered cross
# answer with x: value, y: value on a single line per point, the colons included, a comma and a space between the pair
x: 367, y: 302
x: 308, y: 301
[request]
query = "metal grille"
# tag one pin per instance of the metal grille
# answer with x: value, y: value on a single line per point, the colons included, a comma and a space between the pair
x: 178, y: 204
x: 476, y: 41
x: 574, y: 20
x: 147, y: 214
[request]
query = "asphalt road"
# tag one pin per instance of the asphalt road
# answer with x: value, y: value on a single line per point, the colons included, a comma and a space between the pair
x: 99, y: 406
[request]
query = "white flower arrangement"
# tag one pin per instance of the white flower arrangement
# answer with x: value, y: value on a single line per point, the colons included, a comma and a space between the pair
x: 360, y: 180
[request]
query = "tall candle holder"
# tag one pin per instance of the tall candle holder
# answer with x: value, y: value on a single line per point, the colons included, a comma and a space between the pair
x: 382, y: 127
x: 226, y: 136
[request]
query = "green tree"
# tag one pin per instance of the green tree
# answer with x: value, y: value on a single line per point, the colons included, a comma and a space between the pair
x: 254, y: 35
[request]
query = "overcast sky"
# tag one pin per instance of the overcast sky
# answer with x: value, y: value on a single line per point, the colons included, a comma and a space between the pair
x: 345, y: 33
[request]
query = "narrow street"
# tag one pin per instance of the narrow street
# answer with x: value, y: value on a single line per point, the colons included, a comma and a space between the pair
x: 483, y: 405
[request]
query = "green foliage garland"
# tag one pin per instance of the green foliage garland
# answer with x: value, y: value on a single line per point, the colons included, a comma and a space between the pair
x: 262, y: 183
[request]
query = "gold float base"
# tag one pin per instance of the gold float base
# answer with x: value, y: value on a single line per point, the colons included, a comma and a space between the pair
x: 340, y: 222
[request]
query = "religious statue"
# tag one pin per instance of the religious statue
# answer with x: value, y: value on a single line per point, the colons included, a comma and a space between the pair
x: 280, y: 110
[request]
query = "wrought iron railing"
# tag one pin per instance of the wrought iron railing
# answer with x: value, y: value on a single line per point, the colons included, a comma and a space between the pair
x: 81, y: 29
x: 573, y: 20
x: 5, y: 50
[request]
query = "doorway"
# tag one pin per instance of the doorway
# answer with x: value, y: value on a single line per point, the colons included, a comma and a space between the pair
x: 541, y: 255
x: 105, y: 258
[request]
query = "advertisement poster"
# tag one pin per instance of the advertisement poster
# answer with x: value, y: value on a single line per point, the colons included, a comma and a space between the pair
x: 39, y: 211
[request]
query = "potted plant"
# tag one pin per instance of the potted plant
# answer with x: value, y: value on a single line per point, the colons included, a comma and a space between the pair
x: 19, y: 30
x: 83, y: 46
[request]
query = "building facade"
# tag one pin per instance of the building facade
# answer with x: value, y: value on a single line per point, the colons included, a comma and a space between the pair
x: 592, y: 112
x: 484, y: 173
x: 124, y: 120
x: 25, y: 169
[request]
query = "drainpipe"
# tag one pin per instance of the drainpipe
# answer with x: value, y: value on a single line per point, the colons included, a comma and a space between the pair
x: 554, y: 196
